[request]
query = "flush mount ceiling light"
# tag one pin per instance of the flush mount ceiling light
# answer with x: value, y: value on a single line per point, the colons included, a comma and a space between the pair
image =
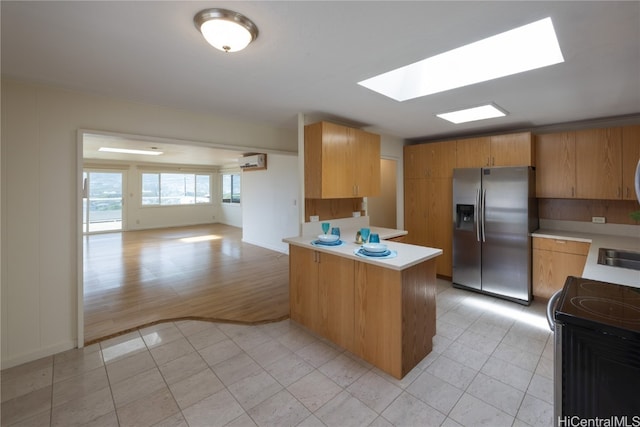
x: 225, y: 29
x: 130, y: 151
x: 521, y: 49
x: 483, y: 112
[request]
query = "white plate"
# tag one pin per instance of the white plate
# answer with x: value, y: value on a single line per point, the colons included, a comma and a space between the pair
x: 374, y: 247
x: 328, y: 238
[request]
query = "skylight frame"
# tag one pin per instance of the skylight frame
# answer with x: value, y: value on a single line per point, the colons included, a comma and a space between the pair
x: 473, y: 114
x: 521, y: 49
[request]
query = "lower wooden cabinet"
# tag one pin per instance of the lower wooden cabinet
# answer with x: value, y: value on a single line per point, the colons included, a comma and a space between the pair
x: 317, y: 294
x: 553, y: 261
x: 394, y: 316
x: 428, y: 217
x: 387, y: 317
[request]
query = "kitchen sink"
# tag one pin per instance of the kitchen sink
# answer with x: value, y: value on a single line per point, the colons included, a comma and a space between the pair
x: 619, y: 258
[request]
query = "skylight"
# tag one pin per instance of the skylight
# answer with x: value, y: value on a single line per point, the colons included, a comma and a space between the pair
x: 129, y: 151
x: 522, y: 49
x: 483, y: 112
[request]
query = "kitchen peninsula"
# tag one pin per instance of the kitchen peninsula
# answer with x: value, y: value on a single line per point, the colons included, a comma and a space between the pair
x: 380, y: 309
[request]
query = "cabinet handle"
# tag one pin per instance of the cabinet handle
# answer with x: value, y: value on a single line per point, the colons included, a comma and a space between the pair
x: 573, y: 191
x: 493, y: 161
x: 618, y: 193
x: 627, y: 192
x: 561, y: 241
x: 488, y: 161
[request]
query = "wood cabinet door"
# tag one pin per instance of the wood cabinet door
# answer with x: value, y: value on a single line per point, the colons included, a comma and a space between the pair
x: 335, y: 299
x: 415, y: 210
x: 556, y: 165
x: 473, y: 152
x: 599, y: 164
x: 313, y: 161
x: 303, y: 286
x: 550, y: 270
x: 415, y: 161
x: 338, y: 155
x: 340, y: 162
x: 514, y: 149
x: 441, y: 159
x: 440, y: 222
x: 366, y: 163
x: 630, y: 158
x: 378, y: 317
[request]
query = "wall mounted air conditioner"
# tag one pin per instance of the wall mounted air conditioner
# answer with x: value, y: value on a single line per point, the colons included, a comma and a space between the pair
x: 253, y: 162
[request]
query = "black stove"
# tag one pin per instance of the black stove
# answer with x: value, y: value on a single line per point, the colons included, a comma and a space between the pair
x: 611, y: 308
x: 597, y: 350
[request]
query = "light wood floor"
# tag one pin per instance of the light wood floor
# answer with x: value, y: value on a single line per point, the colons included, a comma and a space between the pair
x: 139, y: 278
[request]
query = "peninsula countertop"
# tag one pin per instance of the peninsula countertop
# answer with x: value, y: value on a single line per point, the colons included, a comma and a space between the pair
x: 408, y: 255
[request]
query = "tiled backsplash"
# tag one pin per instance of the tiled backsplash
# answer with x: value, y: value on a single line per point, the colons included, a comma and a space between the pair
x: 615, y: 211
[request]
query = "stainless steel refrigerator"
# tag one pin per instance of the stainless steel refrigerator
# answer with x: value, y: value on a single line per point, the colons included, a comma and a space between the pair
x: 494, y: 211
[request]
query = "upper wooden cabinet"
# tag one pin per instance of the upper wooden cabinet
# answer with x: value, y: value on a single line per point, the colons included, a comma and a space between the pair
x: 630, y: 158
x: 515, y: 149
x: 588, y: 164
x: 430, y: 160
x: 599, y: 164
x: 340, y: 162
x: 473, y: 152
x: 556, y: 160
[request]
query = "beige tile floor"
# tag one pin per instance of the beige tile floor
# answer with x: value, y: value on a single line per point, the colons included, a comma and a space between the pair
x: 491, y: 366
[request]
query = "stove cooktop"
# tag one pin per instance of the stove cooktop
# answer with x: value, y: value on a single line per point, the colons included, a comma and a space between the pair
x: 606, y: 306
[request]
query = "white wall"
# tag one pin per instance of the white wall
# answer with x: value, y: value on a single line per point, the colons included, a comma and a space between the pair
x: 40, y: 224
x: 270, y: 203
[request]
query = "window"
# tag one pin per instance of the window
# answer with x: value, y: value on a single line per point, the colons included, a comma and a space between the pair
x: 231, y: 188
x: 170, y: 189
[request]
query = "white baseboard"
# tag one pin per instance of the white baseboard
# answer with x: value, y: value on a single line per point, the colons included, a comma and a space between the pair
x: 12, y: 361
x: 266, y: 246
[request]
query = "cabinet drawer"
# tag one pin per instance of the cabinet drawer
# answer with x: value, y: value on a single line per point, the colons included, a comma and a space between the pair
x: 560, y: 245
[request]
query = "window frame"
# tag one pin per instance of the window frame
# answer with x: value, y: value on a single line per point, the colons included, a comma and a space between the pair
x: 229, y: 201
x: 193, y: 176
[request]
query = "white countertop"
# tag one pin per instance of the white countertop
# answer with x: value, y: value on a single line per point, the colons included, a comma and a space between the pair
x: 408, y: 255
x: 592, y: 269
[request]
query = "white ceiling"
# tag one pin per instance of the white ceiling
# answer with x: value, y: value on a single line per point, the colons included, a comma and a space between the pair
x: 310, y: 55
x: 175, y: 153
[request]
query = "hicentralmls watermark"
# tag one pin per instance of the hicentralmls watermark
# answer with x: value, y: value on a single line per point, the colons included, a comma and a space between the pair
x: 614, y: 421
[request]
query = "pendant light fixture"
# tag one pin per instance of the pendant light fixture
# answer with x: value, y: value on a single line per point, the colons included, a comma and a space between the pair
x: 225, y: 29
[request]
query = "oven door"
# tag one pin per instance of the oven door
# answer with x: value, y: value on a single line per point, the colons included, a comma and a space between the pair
x: 556, y: 328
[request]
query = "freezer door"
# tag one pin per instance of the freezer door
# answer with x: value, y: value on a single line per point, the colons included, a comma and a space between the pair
x: 466, y: 242
x: 506, y: 250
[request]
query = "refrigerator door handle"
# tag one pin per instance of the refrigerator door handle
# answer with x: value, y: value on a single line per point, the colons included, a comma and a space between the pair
x: 476, y: 214
x: 484, y: 202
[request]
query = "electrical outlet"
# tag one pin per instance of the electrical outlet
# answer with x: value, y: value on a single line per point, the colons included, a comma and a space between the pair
x: 598, y: 219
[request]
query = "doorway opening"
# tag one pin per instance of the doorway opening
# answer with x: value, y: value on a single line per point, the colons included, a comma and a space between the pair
x: 102, y: 201
x: 382, y: 209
